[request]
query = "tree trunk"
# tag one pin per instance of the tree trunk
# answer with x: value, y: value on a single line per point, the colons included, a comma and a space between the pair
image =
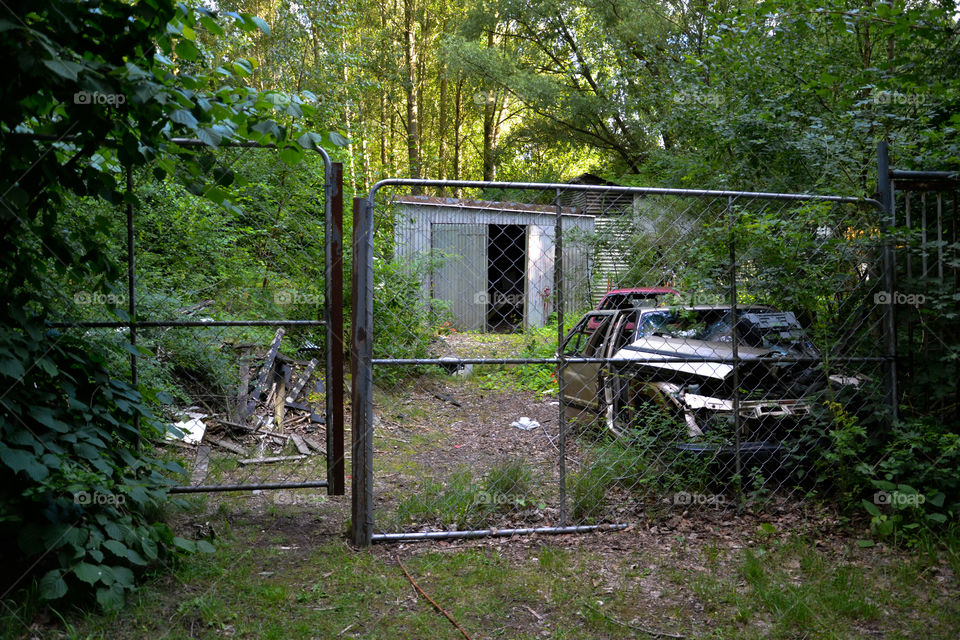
x: 413, y: 116
x: 457, y: 126
x: 442, y: 144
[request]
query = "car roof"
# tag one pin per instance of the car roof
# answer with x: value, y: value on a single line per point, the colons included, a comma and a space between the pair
x: 707, y: 307
x: 642, y: 290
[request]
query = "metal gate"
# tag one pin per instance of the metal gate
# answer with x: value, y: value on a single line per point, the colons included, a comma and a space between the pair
x: 690, y: 353
x: 278, y: 424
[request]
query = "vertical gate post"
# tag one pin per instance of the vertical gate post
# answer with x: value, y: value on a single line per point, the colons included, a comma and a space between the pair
x: 734, y: 344
x: 335, y: 338
x: 558, y: 298
x: 361, y: 365
x: 889, y: 266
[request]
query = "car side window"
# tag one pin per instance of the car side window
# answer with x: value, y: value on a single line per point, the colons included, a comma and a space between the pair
x: 587, y: 337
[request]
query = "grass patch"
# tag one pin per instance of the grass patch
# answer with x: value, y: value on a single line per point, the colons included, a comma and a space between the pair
x: 272, y: 579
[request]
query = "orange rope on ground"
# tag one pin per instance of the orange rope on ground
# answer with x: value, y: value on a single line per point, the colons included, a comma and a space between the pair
x: 436, y: 606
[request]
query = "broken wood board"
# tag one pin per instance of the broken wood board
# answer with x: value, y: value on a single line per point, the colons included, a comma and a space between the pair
x: 278, y: 409
x: 265, y: 371
x: 200, y: 466
x: 313, y: 442
x: 272, y: 459
x: 225, y: 444
x: 299, y: 443
x: 301, y: 382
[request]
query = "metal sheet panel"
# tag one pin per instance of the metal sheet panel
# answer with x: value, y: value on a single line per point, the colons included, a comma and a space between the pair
x: 461, y: 277
x: 539, y: 275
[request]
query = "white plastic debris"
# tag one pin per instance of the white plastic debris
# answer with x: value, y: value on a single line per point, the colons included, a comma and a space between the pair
x: 190, y: 431
x: 525, y: 424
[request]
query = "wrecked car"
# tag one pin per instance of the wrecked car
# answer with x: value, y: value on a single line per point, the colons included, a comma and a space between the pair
x: 673, y: 376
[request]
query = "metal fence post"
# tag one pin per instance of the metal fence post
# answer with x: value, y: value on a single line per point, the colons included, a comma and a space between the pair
x: 334, y: 329
x: 738, y: 463
x: 558, y: 300
x: 889, y: 266
x: 131, y: 292
x: 361, y: 355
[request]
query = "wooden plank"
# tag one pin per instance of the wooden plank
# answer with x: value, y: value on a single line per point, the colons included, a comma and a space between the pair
x: 265, y: 372
x: 243, y: 391
x: 200, y: 466
x: 278, y: 408
x: 271, y: 459
x: 301, y: 382
x: 315, y: 444
x: 300, y: 444
x: 229, y: 446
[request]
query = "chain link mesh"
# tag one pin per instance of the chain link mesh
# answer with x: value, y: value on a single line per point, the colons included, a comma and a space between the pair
x: 554, y: 356
x: 245, y: 405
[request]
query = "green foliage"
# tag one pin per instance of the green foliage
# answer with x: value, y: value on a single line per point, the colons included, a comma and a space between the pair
x: 90, y: 94
x: 80, y: 500
x: 406, y: 321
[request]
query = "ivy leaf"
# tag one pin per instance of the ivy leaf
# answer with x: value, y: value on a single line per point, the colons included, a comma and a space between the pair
x: 63, y: 68
x: 261, y: 24
x: 88, y: 573
x: 110, y: 598
x: 184, y: 117
x: 20, y: 460
x: 44, y: 415
x: 11, y: 368
x: 187, y: 50
x: 52, y: 585
x: 186, y: 545
x: 338, y: 140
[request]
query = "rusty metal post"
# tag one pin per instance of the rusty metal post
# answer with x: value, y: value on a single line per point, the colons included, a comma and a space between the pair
x: 361, y: 366
x: 334, y: 329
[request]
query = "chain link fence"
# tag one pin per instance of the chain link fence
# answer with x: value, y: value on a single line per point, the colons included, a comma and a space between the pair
x: 578, y: 356
x: 219, y: 316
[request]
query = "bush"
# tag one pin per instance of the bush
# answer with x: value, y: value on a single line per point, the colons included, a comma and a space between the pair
x: 82, y: 498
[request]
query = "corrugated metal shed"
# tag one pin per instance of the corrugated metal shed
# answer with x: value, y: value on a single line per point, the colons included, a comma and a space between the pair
x: 456, y: 233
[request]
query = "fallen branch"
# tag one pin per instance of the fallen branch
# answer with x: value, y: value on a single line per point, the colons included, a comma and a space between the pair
x: 649, y: 632
x: 435, y: 605
x: 272, y: 459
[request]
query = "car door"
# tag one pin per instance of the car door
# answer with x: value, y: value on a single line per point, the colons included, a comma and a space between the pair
x: 581, y: 380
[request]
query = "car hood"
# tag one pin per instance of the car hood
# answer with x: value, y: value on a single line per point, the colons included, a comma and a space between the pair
x: 656, y: 347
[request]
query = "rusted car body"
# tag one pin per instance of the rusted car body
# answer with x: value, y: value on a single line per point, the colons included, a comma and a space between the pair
x: 675, y: 366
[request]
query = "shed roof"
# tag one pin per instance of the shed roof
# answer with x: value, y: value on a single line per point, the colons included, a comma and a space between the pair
x: 488, y: 205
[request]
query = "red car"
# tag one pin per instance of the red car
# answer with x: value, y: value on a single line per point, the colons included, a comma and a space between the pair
x: 620, y: 299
